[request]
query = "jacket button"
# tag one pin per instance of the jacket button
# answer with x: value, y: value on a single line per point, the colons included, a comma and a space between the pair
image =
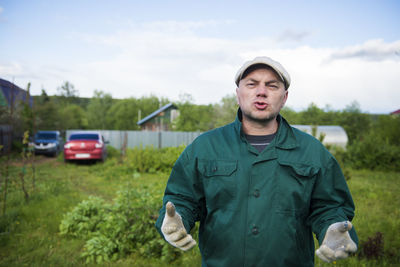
x: 256, y: 193
x: 254, y: 230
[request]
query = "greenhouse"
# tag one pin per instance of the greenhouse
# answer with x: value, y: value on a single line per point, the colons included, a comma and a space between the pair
x: 334, y: 135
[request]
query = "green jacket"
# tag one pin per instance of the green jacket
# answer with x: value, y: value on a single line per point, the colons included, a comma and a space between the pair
x: 258, y: 209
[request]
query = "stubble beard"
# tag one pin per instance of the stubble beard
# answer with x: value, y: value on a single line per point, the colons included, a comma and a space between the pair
x: 264, y: 120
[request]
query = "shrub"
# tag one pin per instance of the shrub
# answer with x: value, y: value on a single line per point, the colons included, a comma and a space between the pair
x: 115, y: 230
x: 112, y: 152
x: 152, y: 160
x: 374, y: 153
x: 85, y: 218
x: 341, y: 155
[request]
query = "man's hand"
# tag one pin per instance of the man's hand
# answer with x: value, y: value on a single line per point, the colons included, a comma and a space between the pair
x: 174, y: 231
x: 337, y: 242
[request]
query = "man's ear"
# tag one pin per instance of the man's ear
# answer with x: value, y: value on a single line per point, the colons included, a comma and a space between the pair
x: 285, y: 98
x: 237, y: 97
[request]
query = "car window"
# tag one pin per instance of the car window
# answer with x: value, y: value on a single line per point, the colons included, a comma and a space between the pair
x: 46, y: 136
x: 84, y: 137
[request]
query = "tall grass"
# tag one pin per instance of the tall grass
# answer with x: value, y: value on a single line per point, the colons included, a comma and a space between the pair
x: 29, y: 232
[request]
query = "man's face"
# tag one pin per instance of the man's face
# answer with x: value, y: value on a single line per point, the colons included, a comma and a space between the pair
x: 261, y: 95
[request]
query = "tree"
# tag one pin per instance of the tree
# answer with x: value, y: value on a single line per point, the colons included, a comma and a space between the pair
x: 194, y: 117
x: 26, y: 113
x: 290, y: 115
x: 225, y: 112
x: 67, y: 90
x: 313, y: 115
x: 46, y: 111
x: 67, y: 93
x: 149, y: 104
x: 73, y: 117
x: 123, y: 115
x: 43, y: 98
x: 388, y: 128
x: 355, y: 123
x: 98, y: 109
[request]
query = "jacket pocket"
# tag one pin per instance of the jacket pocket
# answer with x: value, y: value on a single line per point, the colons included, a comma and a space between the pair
x: 219, y: 181
x: 295, y: 182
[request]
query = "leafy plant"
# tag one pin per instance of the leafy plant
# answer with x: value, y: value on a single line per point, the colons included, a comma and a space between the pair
x: 112, y: 152
x: 113, y: 231
x: 85, y: 218
x: 99, y: 249
x: 375, y: 153
x: 152, y: 160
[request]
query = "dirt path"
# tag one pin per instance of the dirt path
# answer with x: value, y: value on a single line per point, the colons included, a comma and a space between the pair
x: 38, y: 160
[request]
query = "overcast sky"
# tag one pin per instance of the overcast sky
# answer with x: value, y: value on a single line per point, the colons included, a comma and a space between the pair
x: 336, y: 52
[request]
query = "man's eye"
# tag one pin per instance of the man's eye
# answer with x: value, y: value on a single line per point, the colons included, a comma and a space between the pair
x: 250, y: 84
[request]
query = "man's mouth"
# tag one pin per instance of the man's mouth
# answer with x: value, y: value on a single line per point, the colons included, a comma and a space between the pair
x: 260, y: 105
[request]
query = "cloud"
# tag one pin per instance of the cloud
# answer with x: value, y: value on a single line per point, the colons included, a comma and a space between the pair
x: 373, y: 84
x: 129, y: 31
x: 171, y: 58
x: 172, y: 26
x: 167, y: 59
x: 291, y: 35
x: 372, y: 50
x: 16, y: 69
x: 38, y: 75
x: 2, y: 19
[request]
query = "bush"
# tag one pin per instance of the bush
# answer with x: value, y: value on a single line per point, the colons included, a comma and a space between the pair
x: 85, y: 218
x: 376, y: 148
x: 374, y: 153
x: 152, y: 160
x: 112, y: 152
x: 114, y: 231
x: 341, y: 155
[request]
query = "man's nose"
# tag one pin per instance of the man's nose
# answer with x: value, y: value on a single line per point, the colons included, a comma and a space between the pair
x: 262, y: 91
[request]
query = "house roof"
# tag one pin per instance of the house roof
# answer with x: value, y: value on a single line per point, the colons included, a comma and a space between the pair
x: 395, y: 112
x: 155, y: 113
x: 10, y: 92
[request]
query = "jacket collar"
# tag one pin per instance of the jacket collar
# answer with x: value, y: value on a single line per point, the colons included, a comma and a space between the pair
x: 285, y: 138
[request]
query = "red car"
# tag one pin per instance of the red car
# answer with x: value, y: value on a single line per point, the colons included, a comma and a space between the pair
x: 85, y: 146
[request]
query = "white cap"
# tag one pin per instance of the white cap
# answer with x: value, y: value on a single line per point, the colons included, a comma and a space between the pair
x: 279, y: 69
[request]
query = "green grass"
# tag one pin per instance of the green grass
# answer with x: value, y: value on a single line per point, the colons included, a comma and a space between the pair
x: 29, y: 232
x: 377, y: 199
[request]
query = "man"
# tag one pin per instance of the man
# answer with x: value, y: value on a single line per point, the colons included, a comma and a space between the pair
x: 258, y: 186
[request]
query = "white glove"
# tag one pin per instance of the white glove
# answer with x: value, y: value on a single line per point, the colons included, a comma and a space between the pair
x: 337, y: 242
x: 174, y: 231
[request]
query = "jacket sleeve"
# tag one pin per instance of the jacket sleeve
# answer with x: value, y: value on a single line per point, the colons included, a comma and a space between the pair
x: 331, y: 201
x: 184, y: 189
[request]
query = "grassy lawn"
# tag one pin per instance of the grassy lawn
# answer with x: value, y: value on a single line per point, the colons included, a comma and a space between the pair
x: 377, y: 199
x: 29, y: 232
